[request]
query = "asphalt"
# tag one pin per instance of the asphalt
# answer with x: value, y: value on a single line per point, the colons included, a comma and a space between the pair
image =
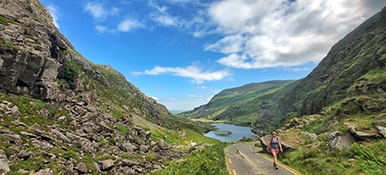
x: 243, y: 159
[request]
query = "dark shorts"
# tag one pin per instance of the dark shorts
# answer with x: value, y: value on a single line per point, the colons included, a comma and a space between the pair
x: 276, y: 151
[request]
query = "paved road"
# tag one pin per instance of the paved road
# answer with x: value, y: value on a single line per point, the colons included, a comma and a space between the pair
x: 242, y: 159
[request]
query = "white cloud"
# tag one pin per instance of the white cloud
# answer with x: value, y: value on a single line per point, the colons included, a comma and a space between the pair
x: 115, y: 11
x: 164, y: 19
x: 195, y: 96
x: 101, y: 29
x: 297, y: 69
x: 155, y: 98
x: 54, y: 12
x: 193, y: 72
x: 96, y: 10
x: 204, y: 87
x: 129, y: 24
x: 179, y: 1
x: 262, y: 34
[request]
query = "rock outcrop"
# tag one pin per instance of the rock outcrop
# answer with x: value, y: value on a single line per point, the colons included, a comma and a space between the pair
x: 339, y: 140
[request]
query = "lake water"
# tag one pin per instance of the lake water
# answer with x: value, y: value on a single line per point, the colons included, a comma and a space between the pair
x: 238, y: 132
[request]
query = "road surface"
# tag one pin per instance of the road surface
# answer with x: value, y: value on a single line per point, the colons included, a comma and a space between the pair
x: 242, y: 159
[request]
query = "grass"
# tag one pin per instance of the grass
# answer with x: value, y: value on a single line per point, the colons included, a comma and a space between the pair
x: 356, y: 159
x: 210, y: 161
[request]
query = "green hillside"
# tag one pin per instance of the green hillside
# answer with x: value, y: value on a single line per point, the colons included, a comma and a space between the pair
x: 242, y: 105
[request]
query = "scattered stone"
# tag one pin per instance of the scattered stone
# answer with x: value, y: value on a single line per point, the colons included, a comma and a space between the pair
x: 81, y: 167
x: 200, y: 148
x: 43, y: 172
x: 106, y: 164
x: 163, y: 145
x: 157, y: 167
x: 62, y: 119
x: 41, y: 144
x: 24, y: 154
x: 192, y: 143
x: 22, y: 171
x: 155, y: 149
x: 311, y: 136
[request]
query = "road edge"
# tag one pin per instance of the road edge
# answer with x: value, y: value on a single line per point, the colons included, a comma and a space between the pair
x: 278, y: 163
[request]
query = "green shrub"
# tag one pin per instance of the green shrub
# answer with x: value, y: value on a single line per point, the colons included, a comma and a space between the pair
x: 72, y: 70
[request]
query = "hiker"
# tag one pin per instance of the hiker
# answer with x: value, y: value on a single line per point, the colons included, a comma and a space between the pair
x: 274, y: 144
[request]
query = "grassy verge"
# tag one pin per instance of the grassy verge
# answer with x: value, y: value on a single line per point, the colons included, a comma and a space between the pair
x: 209, y: 161
x: 357, y: 159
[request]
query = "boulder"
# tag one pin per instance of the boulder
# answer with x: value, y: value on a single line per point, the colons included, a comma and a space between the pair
x: 62, y: 119
x: 127, y: 147
x: 382, y: 131
x: 156, y: 167
x: 143, y: 148
x: 60, y: 136
x: 81, y: 167
x: 15, y: 137
x: 338, y: 140
x: 4, y: 166
x: 24, y: 154
x: 311, y: 136
x: 41, y: 144
x: 359, y: 134
x: 163, y: 145
x: 106, y: 164
x: 155, y: 149
x: 380, y: 123
x: 15, y: 112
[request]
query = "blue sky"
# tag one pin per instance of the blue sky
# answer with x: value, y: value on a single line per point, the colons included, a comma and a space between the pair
x: 183, y: 52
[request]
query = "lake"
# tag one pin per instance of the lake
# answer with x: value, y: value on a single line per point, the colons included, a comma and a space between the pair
x: 238, y: 132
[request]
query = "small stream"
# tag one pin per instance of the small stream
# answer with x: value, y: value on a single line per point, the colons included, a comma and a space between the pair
x: 238, y: 132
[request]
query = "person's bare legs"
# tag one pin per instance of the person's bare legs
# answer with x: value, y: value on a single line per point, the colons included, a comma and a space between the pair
x: 274, y: 158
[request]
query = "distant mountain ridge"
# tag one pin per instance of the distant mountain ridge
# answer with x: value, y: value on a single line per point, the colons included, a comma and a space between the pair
x: 222, y: 106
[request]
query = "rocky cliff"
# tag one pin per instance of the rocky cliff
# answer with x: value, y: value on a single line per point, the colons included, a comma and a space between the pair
x: 62, y: 114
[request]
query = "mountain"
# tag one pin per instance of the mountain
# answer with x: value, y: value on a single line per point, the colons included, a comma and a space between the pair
x: 335, y: 118
x: 242, y: 105
x: 62, y: 114
x: 349, y: 69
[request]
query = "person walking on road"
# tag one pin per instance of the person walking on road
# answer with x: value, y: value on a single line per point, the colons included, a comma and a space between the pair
x: 274, y: 144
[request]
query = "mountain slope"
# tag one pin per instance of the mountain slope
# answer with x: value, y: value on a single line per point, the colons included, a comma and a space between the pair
x: 358, y: 53
x: 62, y: 114
x: 241, y: 104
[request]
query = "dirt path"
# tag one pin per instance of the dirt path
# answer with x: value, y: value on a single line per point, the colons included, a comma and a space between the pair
x: 242, y: 159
